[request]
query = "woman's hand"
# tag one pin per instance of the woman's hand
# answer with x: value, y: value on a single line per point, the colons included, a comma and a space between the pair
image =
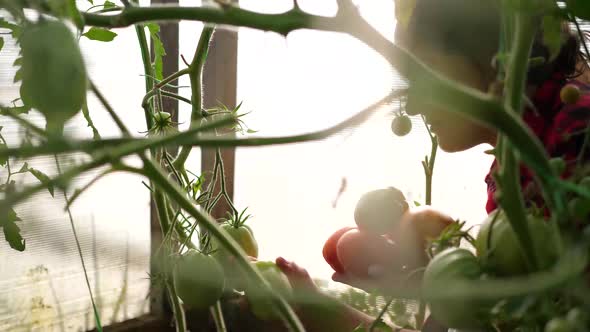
x: 298, y: 277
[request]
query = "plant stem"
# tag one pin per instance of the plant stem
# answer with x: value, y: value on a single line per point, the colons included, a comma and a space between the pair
x: 232, y: 15
x: 509, y: 175
x: 24, y: 122
x: 163, y: 83
x: 380, y: 316
x: 147, y: 68
x: 59, y: 145
x: 177, y: 309
x: 110, y: 110
x: 217, y: 314
x: 175, y: 96
x: 225, y: 240
x: 71, y: 218
x: 187, y: 137
x: 195, y: 73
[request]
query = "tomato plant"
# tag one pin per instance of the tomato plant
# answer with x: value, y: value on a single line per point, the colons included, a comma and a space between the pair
x: 559, y: 324
x: 378, y: 211
x: 198, y: 279
x: 55, y: 81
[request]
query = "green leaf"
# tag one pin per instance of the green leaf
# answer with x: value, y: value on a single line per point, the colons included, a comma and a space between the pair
x: 18, y: 76
x: 86, y: 113
x: 18, y: 62
x: 100, y: 34
x: 1, y: 43
x: 417, y: 203
x: 580, y: 8
x: 159, y: 51
x: 11, y: 230
x: 25, y: 168
x: 552, y: 35
x: 107, y: 4
x: 43, y: 178
x: 10, y: 26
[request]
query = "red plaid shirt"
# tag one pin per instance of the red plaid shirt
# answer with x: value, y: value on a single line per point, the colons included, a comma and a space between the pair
x: 560, y: 128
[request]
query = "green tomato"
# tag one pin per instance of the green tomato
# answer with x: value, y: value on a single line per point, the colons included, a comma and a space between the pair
x: 558, y: 325
x: 401, y: 125
x: 379, y: 211
x: 502, y: 255
x: 558, y: 165
x: 570, y: 94
x: 453, y: 264
x: 54, y: 77
x: 577, y: 318
x: 198, y: 279
x: 242, y: 235
x: 260, y: 304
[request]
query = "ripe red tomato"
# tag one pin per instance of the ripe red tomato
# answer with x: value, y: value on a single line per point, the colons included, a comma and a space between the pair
x: 367, y: 256
x: 414, y: 231
x: 428, y: 222
x: 378, y: 211
x: 329, y: 250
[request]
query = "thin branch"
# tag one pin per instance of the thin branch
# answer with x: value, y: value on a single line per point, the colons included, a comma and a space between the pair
x: 187, y: 137
x: 109, y: 109
x: 195, y: 75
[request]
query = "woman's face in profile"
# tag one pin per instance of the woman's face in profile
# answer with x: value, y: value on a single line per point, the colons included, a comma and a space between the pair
x: 455, y: 132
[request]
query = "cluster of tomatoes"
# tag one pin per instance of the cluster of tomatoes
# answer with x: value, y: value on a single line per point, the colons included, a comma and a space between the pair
x: 201, y: 280
x: 389, y: 241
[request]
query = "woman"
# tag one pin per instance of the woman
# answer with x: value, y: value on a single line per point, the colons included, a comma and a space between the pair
x: 460, y: 39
